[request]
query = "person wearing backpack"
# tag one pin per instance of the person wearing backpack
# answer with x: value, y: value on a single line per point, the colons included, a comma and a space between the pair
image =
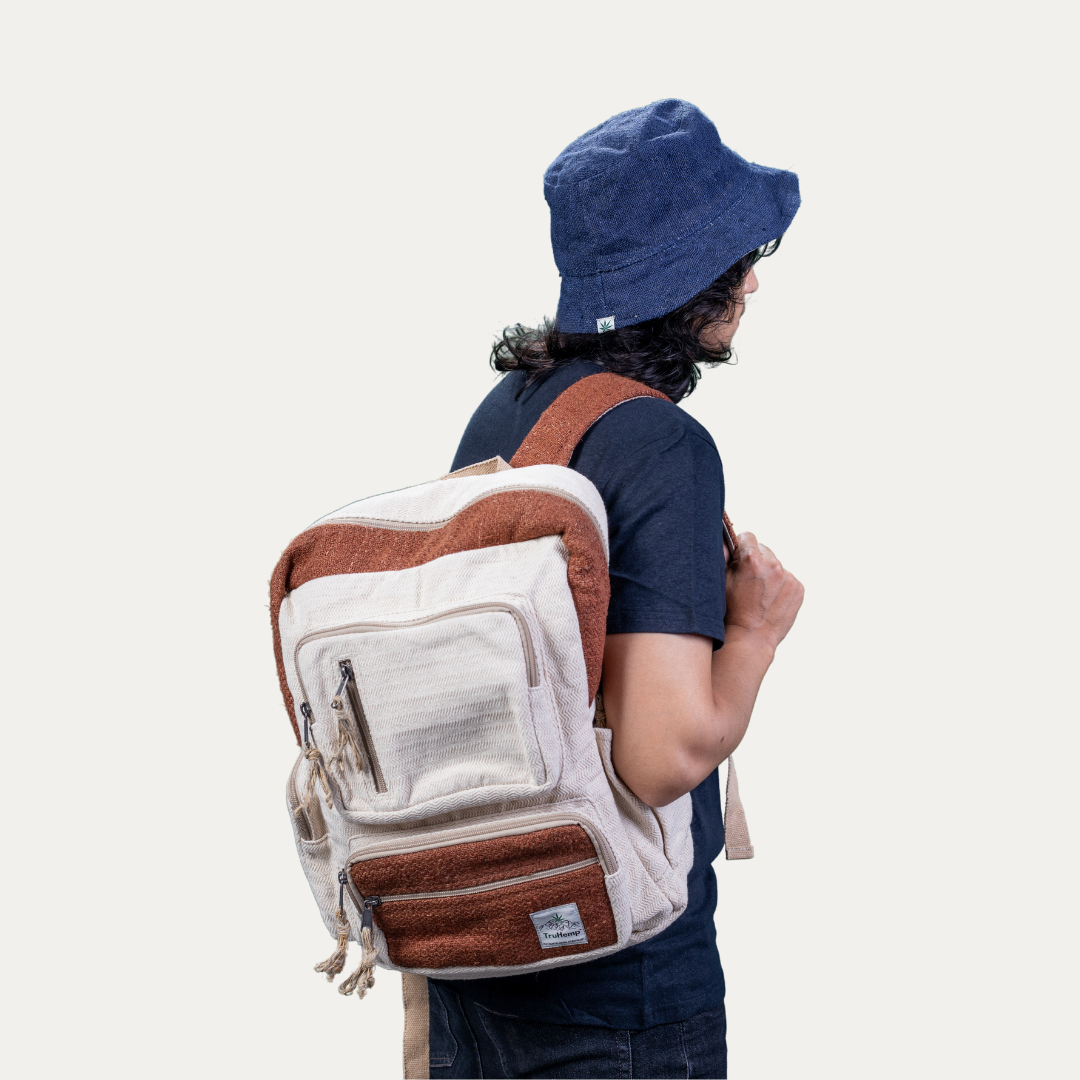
x: 464, y: 807
x: 656, y: 227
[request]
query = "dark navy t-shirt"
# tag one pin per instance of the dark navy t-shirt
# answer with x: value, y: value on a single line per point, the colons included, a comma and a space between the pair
x: 659, y: 474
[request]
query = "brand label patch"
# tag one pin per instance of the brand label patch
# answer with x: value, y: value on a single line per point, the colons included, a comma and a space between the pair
x: 560, y: 925
x: 605, y: 324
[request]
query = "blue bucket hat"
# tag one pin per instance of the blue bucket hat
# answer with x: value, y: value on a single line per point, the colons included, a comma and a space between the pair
x: 649, y: 208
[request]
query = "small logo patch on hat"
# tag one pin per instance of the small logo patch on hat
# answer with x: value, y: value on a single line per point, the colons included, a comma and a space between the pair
x: 558, y: 926
x: 605, y: 324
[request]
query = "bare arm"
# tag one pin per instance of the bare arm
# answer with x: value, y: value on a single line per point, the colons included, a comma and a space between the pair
x: 676, y: 708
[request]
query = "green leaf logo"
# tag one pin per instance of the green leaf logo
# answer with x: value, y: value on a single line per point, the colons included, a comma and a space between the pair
x: 605, y: 324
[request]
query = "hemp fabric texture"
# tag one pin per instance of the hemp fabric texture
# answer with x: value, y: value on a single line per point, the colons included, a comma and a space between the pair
x: 454, y: 775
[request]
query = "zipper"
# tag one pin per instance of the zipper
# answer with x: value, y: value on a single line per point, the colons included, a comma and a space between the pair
x: 472, y: 833
x: 429, y: 526
x: 348, y: 684
x: 367, y: 916
x: 531, y: 667
x: 366, y: 903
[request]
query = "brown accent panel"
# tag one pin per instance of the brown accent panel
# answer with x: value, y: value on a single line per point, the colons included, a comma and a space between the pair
x: 479, y: 862
x: 493, y: 928
x: 505, y: 517
x: 564, y: 422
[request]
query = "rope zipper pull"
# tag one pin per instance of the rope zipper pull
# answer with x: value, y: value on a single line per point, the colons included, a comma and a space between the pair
x: 315, y: 763
x: 346, y: 737
x: 362, y: 978
x: 334, y: 964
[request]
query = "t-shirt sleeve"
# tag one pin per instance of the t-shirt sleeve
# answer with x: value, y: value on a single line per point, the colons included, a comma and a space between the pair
x: 663, y: 485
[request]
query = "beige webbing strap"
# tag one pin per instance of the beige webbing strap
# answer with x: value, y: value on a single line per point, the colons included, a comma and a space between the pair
x: 481, y: 468
x: 414, y: 990
x: 736, y: 836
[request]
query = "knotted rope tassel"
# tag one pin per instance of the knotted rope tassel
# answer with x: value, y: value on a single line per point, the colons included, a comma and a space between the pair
x: 315, y: 768
x: 334, y: 964
x: 362, y: 978
x: 346, y: 740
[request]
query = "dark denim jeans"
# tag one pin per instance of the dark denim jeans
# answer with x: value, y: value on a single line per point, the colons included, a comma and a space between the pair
x: 472, y: 1041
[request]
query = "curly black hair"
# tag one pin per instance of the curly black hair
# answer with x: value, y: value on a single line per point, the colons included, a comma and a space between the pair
x: 665, y: 353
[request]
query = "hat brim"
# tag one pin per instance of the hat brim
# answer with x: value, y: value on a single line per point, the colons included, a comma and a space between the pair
x: 763, y: 212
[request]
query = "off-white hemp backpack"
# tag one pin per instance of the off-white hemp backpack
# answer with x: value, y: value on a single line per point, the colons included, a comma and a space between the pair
x: 439, y: 650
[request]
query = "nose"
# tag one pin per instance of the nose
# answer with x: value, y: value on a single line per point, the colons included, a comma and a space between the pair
x: 750, y: 285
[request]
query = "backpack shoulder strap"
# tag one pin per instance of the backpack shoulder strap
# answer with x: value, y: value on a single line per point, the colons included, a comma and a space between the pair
x: 563, y: 424
x: 552, y: 441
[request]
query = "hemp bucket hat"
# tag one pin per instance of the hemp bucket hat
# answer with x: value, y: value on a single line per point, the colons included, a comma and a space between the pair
x: 650, y: 207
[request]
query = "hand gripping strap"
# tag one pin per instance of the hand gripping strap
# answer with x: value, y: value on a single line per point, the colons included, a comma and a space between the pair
x: 564, y: 422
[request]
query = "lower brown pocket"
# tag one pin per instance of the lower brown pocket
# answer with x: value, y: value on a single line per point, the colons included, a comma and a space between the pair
x: 472, y: 904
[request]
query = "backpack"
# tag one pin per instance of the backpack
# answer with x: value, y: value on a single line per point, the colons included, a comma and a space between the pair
x: 439, y: 650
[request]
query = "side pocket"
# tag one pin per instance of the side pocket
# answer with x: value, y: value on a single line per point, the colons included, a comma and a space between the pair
x: 674, y: 820
x: 312, y: 845
x: 661, y: 839
x: 308, y: 821
x: 630, y: 806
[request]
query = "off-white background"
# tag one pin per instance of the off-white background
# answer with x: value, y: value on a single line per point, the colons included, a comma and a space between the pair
x: 253, y: 256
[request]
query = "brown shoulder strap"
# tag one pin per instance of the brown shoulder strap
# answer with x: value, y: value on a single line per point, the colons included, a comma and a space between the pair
x: 564, y: 422
x: 552, y: 441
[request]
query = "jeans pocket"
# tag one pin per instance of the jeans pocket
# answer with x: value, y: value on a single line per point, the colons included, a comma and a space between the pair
x: 536, y: 1048
x: 442, y: 1046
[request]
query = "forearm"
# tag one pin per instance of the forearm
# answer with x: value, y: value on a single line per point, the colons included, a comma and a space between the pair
x: 677, y: 708
x: 737, y: 673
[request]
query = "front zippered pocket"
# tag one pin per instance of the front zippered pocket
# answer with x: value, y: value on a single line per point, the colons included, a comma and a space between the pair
x: 348, y: 685
x: 374, y: 625
x: 488, y: 829
x: 446, y: 705
x: 472, y: 890
x: 499, y: 902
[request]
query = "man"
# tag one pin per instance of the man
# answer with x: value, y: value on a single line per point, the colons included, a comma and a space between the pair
x: 656, y: 227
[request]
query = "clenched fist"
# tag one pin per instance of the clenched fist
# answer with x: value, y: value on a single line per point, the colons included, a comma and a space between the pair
x: 762, y: 596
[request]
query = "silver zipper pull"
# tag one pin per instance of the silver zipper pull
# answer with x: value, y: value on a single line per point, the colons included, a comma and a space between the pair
x: 342, y: 878
x: 305, y: 710
x: 346, y: 675
x: 367, y: 918
x: 345, y: 667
